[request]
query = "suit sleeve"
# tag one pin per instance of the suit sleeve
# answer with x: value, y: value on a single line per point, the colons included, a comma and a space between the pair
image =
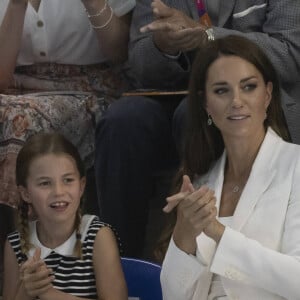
x: 248, y: 261
x: 183, y: 275
x: 279, y: 37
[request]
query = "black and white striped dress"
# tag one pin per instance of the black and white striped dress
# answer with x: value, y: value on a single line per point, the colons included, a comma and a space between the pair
x: 72, y: 275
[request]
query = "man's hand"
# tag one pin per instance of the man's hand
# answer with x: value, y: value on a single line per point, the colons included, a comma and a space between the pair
x: 174, y: 31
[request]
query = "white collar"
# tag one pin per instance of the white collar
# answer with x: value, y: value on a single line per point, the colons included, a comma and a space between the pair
x: 65, y: 249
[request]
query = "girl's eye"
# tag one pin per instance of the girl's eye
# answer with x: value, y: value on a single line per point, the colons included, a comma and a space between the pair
x: 250, y: 87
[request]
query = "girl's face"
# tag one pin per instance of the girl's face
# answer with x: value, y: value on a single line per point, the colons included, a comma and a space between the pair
x: 237, y: 97
x: 54, y: 187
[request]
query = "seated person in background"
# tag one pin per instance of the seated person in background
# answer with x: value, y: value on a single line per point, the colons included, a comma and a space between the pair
x: 134, y: 137
x: 63, y: 50
x: 237, y: 229
x: 61, y: 254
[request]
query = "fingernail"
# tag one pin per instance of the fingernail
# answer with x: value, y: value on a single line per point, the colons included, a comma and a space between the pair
x: 166, y: 209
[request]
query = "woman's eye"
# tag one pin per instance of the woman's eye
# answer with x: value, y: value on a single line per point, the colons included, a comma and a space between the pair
x: 44, y: 183
x: 220, y: 91
x: 250, y: 87
x: 68, y: 180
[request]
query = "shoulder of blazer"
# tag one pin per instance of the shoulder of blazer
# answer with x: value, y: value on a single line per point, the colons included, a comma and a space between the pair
x: 280, y: 153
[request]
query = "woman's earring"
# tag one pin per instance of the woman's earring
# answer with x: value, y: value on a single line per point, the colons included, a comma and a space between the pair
x: 209, y: 121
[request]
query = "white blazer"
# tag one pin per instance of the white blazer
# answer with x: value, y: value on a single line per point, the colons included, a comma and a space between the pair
x: 258, y: 258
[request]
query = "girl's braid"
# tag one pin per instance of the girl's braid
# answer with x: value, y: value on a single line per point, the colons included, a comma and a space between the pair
x: 78, y: 245
x: 23, y: 227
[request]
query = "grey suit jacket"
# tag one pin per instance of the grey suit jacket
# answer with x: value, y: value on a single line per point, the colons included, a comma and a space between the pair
x: 273, y: 24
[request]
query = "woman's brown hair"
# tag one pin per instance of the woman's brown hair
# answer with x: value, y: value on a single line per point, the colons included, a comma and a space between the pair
x: 204, y: 144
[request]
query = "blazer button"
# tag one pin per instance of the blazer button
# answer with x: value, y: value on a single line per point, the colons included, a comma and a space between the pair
x: 42, y: 53
x: 40, y: 23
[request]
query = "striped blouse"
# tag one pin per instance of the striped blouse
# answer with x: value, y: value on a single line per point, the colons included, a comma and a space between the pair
x: 72, y: 275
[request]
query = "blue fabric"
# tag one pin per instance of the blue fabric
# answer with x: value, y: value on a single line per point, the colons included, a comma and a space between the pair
x: 142, y: 278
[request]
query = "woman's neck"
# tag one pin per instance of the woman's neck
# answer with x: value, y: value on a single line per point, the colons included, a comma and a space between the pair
x: 241, y: 155
x: 35, y: 4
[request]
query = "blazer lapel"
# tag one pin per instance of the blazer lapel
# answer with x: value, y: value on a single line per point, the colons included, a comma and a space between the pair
x: 226, y: 8
x: 261, y: 176
x: 192, y: 8
x: 257, y: 184
x: 215, y: 180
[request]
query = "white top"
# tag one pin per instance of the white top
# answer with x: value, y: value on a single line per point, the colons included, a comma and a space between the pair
x: 66, y: 248
x: 60, y: 32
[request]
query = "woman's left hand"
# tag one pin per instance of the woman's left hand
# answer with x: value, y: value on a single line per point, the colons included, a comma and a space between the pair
x: 214, y: 229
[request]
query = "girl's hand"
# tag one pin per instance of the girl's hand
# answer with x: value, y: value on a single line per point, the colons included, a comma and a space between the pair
x: 36, y: 277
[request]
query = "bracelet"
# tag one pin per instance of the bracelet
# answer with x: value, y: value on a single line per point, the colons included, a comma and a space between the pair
x: 210, y: 34
x: 99, y: 13
x: 107, y: 22
x: 173, y: 57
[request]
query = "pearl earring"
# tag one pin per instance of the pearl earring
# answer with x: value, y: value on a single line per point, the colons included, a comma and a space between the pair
x: 209, y: 120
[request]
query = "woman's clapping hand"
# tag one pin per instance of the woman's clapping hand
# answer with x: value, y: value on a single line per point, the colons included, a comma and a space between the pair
x: 195, y: 211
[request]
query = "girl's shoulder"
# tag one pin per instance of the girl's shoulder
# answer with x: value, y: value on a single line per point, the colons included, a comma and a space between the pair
x: 90, y: 225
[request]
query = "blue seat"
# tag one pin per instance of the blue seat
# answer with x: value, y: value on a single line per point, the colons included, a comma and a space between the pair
x: 142, y: 278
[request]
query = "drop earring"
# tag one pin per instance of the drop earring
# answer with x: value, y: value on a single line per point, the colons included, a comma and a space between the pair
x: 209, y: 120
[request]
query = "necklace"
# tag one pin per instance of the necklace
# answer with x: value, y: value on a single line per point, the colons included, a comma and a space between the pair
x: 235, y: 189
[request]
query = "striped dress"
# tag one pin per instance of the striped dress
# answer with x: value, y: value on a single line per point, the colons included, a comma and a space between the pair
x: 72, y: 275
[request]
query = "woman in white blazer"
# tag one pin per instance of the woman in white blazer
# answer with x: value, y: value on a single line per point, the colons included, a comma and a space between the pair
x: 237, y: 227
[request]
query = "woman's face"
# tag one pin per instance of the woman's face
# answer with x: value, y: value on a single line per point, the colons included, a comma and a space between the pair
x: 237, y: 97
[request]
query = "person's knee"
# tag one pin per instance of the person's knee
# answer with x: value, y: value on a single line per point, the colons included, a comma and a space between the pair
x: 131, y: 113
x: 131, y: 108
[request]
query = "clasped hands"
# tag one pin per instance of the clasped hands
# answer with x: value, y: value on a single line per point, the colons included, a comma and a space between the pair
x: 196, y: 213
x: 173, y: 31
x: 35, y: 276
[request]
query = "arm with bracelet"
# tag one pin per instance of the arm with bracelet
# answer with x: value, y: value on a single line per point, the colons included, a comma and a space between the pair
x: 111, y: 21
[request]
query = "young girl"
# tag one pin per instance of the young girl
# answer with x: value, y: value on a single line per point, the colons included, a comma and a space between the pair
x: 60, y: 254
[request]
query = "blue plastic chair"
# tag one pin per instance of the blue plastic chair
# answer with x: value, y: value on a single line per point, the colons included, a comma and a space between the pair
x: 142, y: 278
